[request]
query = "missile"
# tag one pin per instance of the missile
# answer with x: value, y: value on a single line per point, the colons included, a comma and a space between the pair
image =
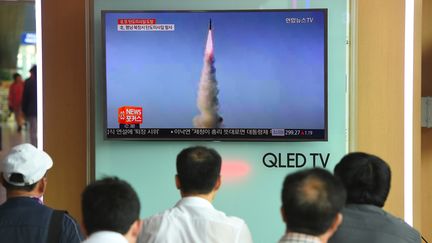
x: 209, y: 44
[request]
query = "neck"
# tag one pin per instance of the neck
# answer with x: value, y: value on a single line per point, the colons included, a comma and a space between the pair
x: 14, y: 193
x: 209, y: 197
x: 130, y: 238
x: 323, y: 239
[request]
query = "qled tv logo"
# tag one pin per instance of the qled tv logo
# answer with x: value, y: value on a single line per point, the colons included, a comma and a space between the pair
x: 295, y: 160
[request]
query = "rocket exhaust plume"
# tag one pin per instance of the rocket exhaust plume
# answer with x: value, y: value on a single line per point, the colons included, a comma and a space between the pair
x: 207, y: 102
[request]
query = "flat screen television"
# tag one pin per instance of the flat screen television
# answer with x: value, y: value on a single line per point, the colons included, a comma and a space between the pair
x: 257, y: 75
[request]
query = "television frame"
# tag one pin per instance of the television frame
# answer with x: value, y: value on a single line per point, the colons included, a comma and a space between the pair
x: 294, y: 137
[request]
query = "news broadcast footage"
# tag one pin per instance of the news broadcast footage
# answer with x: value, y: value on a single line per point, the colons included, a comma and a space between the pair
x: 216, y: 75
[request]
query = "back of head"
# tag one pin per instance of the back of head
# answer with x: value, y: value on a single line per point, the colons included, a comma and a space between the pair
x: 311, y: 201
x: 109, y: 204
x: 33, y: 71
x: 15, y: 76
x: 198, y: 169
x: 366, y: 178
x: 24, y: 166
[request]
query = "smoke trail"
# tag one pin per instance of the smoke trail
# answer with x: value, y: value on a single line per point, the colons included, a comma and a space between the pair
x: 207, y: 101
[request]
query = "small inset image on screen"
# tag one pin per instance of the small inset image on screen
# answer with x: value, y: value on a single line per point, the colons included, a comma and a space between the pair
x: 216, y: 75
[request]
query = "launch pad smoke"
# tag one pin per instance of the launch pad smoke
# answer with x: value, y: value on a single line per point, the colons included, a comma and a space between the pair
x: 207, y: 101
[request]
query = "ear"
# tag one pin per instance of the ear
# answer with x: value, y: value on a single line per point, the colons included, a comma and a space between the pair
x: 282, y: 211
x: 336, y: 222
x: 218, y: 183
x: 136, y: 228
x: 41, y: 186
x: 134, y: 231
x: 177, y: 182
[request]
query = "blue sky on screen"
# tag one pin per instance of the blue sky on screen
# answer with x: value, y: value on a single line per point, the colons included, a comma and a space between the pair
x: 270, y: 73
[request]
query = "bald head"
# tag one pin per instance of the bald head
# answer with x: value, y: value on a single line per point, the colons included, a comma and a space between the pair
x: 311, y: 200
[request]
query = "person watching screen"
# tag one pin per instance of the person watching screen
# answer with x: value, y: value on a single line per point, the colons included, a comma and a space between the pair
x: 193, y: 218
x: 311, y: 204
x: 367, y: 178
x: 111, y: 209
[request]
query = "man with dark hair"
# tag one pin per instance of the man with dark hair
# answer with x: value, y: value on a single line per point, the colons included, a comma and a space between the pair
x: 23, y: 217
x: 311, y: 203
x: 29, y: 103
x: 193, y: 218
x: 367, y: 180
x: 111, y: 211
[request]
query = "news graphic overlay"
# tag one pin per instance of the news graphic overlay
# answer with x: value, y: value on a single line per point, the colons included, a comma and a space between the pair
x: 257, y: 75
x: 130, y: 117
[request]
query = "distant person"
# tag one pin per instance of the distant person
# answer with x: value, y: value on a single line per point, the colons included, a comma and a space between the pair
x: 29, y: 104
x: 311, y: 204
x: 15, y: 99
x: 111, y: 211
x: 367, y: 181
x: 193, y: 218
x: 23, y: 217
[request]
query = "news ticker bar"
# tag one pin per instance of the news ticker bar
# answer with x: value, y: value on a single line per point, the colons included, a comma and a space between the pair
x: 216, y: 133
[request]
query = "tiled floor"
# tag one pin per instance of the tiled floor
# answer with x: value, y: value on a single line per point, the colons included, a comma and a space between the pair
x: 10, y: 137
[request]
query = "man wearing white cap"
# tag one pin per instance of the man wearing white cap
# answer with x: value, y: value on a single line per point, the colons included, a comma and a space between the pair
x: 23, y: 217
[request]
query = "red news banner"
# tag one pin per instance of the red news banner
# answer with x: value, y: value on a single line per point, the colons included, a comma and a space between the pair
x: 130, y: 115
x: 141, y: 24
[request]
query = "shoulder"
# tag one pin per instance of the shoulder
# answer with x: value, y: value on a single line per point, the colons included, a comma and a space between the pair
x: 157, y: 219
x: 71, y: 229
x: 402, y: 227
x: 237, y: 225
x: 69, y: 222
x: 231, y: 220
x: 369, y: 218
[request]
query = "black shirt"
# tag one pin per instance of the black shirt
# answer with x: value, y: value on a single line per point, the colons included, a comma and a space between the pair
x: 29, y: 102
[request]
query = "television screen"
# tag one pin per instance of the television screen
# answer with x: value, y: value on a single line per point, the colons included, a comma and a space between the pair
x: 216, y: 75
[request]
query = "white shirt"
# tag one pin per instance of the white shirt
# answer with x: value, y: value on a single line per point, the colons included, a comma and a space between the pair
x: 194, y: 220
x: 106, y: 237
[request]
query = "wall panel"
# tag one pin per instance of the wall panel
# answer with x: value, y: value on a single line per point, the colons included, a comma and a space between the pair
x: 64, y: 83
x: 380, y: 88
x: 380, y: 93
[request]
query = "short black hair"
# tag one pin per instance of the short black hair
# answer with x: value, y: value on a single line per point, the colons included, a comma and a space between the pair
x: 33, y: 70
x: 19, y: 178
x: 109, y: 204
x: 15, y: 76
x: 311, y: 200
x: 198, y: 169
x: 366, y: 178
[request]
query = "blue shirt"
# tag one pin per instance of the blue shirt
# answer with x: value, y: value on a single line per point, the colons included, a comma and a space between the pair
x: 24, y: 219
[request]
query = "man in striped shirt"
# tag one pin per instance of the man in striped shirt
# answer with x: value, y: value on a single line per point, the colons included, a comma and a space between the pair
x: 311, y: 204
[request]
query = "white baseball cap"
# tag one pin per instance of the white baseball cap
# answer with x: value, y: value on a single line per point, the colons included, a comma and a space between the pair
x: 27, y: 160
